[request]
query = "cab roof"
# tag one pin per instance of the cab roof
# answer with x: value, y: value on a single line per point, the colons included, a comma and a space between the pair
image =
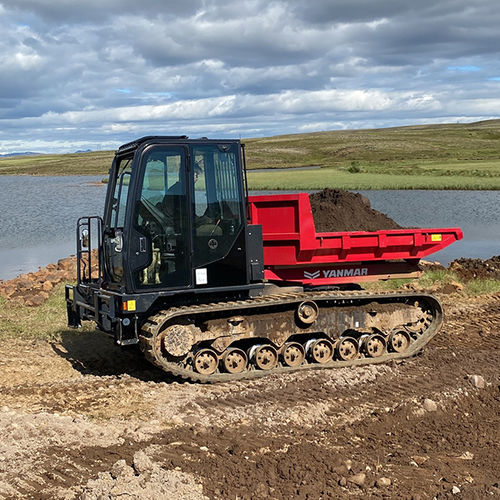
x: 162, y: 139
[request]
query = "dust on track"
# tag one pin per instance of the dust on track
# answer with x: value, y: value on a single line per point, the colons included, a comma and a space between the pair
x: 82, y: 417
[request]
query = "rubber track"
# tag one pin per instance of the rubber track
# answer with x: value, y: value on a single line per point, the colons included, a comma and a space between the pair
x: 153, y: 326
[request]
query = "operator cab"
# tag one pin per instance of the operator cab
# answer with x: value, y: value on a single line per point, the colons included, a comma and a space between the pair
x: 175, y: 216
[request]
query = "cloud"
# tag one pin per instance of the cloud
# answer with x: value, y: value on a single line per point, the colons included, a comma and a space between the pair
x: 98, y: 73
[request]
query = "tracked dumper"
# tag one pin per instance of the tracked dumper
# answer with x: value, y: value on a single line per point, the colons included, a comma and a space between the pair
x: 217, y: 286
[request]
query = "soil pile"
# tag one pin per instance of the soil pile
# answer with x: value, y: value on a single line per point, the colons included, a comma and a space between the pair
x: 145, y: 480
x: 337, y: 210
x: 469, y: 269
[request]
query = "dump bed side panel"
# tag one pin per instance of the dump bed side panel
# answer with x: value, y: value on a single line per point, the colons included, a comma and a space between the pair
x: 293, y: 250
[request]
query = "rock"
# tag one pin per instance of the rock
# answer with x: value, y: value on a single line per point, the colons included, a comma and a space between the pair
x: 365, y: 200
x: 455, y: 490
x: 419, y: 459
x: 429, y: 405
x: 452, y: 287
x: 477, y: 381
x: 176, y: 420
x: 358, y: 479
x: 67, y: 264
x: 458, y: 286
x: 383, y: 482
x: 142, y: 463
x: 348, y: 464
x: 9, y: 289
x: 35, y: 300
x: 47, y: 286
x: 467, y: 455
x: 341, y: 470
x: 23, y: 283
x: 121, y: 469
x: 430, y: 266
x: 203, y: 448
x: 342, y: 481
x: 53, y: 277
x: 419, y: 412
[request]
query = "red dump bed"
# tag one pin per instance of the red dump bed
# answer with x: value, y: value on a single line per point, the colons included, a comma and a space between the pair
x: 294, y: 251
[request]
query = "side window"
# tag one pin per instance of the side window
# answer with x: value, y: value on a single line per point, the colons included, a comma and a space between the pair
x: 120, y: 195
x: 114, y: 243
x: 217, y: 202
x: 161, y: 217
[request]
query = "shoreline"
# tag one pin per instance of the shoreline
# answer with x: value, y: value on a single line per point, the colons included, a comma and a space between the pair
x: 313, y: 179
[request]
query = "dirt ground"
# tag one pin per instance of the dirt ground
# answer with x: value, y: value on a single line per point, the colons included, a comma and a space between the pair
x: 83, y: 419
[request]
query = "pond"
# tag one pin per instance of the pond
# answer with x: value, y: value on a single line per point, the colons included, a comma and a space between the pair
x: 38, y: 218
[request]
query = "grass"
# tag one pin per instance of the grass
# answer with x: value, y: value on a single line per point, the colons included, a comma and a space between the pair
x: 447, y: 156
x: 36, y: 323
x: 438, y: 278
x: 334, y: 178
x: 483, y: 286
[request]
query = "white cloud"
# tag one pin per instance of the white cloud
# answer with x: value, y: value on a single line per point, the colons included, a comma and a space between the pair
x: 248, y: 67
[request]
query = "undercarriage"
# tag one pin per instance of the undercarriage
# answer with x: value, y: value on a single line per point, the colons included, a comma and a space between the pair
x: 293, y: 331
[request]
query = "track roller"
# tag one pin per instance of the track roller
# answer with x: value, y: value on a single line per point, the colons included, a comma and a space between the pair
x: 374, y: 345
x: 347, y: 348
x: 320, y: 350
x: 205, y: 361
x: 264, y: 356
x: 293, y: 354
x: 307, y: 312
x: 234, y: 360
x: 398, y: 341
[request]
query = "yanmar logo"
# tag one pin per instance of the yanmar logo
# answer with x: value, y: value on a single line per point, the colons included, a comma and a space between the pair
x: 311, y: 276
x: 336, y: 273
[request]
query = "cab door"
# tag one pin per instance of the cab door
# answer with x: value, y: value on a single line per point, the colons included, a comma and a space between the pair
x: 159, y: 253
x: 114, y: 221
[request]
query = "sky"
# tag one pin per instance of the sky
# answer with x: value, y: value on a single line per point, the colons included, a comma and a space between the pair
x: 96, y: 74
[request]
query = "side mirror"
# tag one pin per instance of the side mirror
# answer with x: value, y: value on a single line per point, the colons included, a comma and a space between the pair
x: 84, y: 238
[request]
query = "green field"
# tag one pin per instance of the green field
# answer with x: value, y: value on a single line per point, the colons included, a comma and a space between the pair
x: 334, y: 178
x: 453, y: 156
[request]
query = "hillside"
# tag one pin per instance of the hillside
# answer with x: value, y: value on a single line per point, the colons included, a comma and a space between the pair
x: 446, y: 156
x: 383, y: 147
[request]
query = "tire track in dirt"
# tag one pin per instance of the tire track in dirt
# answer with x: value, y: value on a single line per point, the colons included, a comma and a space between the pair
x: 277, y: 437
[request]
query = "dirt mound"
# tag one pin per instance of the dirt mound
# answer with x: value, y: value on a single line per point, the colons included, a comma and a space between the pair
x: 469, y: 269
x: 143, y: 480
x: 337, y: 210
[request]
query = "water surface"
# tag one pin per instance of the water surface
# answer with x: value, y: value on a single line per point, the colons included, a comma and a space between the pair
x: 477, y: 213
x: 38, y: 218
